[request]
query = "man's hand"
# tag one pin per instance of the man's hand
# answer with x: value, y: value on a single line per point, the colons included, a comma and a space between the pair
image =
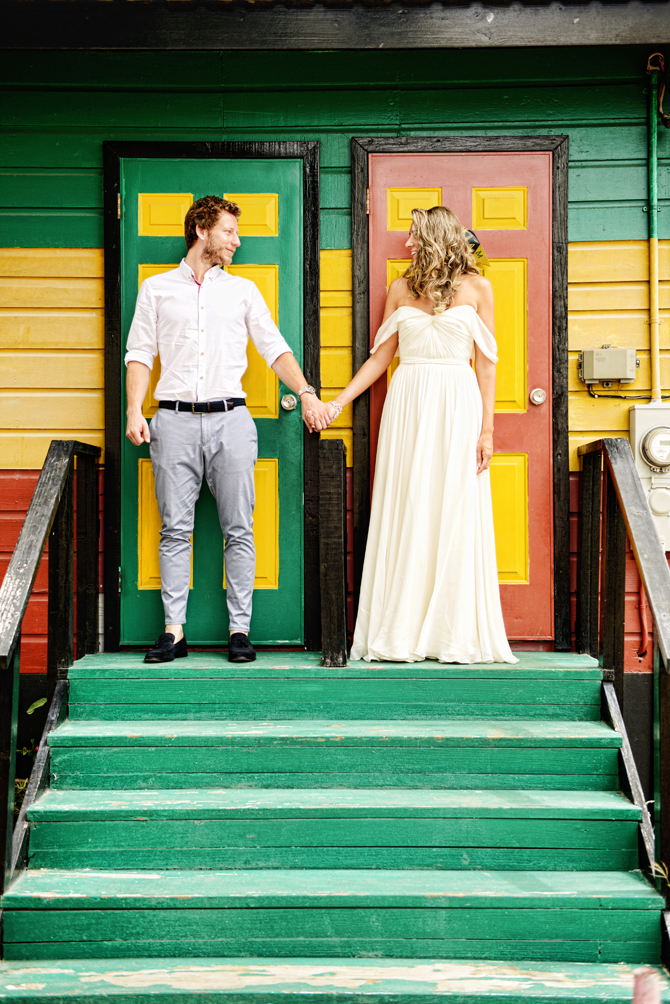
x: 484, y: 451
x: 315, y: 414
x: 137, y: 428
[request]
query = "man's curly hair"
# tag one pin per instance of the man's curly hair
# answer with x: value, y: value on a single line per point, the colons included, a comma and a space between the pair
x: 204, y: 213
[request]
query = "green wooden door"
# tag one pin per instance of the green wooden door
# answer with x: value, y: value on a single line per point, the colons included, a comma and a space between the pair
x: 155, y: 197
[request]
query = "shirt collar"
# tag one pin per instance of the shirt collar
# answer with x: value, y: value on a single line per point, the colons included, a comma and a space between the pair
x: 212, y: 274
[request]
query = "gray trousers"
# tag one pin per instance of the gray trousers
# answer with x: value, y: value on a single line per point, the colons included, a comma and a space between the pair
x: 223, y: 448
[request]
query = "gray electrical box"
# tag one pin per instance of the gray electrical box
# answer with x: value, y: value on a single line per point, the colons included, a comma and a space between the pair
x: 650, y: 443
x: 608, y: 364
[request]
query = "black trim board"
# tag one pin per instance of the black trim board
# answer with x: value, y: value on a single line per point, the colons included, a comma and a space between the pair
x: 558, y: 146
x: 308, y: 152
x: 125, y: 24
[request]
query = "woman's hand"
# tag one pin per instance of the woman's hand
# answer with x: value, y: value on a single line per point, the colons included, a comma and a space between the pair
x: 484, y: 451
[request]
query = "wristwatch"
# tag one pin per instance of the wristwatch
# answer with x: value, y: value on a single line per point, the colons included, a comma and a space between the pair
x: 307, y: 389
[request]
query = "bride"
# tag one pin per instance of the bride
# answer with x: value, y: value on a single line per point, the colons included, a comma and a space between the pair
x: 430, y: 584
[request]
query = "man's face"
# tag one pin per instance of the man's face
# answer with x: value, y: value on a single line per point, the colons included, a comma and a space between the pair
x: 221, y: 240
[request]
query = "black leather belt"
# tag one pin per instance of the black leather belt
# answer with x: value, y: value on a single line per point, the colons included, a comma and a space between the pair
x: 203, y: 407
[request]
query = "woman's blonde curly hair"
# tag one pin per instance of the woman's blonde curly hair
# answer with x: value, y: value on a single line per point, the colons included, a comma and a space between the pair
x: 443, y: 255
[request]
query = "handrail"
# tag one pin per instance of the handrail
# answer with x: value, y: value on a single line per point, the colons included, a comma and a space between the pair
x: 609, y: 464
x: 50, y: 516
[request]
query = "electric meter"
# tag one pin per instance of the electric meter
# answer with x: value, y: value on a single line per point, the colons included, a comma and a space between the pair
x: 655, y: 448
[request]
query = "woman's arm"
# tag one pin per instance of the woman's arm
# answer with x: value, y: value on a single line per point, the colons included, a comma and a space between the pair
x: 486, y: 376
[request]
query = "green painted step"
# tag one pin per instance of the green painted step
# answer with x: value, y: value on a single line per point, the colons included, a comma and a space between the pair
x: 295, y: 685
x: 559, y: 831
x: 318, y: 754
x: 586, y: 916
x: 298, y: 980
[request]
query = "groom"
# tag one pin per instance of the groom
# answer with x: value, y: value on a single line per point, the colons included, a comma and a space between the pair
x: 198, y: 319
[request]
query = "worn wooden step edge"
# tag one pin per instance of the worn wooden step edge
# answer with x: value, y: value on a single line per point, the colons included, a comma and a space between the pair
x: 443, y: 732
x: 297, y: 979
x: 320, y: 888
x: 55, y: 805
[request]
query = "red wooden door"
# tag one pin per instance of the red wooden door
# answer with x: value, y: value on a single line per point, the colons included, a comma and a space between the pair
x: 506, y: 199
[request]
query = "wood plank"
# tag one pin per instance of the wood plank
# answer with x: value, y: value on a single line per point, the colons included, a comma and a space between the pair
x: 592, y: 328
x: 27, y: 450
x: 614, y: 261
x: 52, y: 262
x: 55, y: 409
x: 50, y: 292
x: 598, y: 414
x: 65, y: 369
x: 23, y: 328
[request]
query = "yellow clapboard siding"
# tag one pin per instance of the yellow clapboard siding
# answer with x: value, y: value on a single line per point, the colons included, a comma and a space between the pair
x: 149, y: 529
x: 51, y: 369
x: 73, y: 262
x: 347, y: 436
x: 50, y: 292
x: 336, y: 326
x: 614, y: 261
x: 401, y: 201
x: 595, y: 414
x: 500, y: 208
x: 336, y: 298
x: 52, y: 409
x: 592, y: 329
x: 336, y: 270
x: 509, y: 489
x: 335, y: 367
x: 28, y: 450
x: 615, y: 296
x: 509, y: 281
x: 577, y: 439
x: 346, y: 418
x: 260, y: 213
x: 52, y: 329
x: 161, y: 214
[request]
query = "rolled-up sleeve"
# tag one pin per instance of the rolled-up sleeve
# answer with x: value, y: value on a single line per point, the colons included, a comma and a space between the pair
x: 142, y: 345
x: 263, y: 331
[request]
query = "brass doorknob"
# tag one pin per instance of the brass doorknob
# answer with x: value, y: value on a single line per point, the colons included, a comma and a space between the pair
x: 538, y: 396
x: 289, y: 402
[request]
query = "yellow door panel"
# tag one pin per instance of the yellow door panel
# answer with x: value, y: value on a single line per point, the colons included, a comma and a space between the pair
x: 260, y: 216
x: 500, y: 208
x: 149, y: 530
x: 401, y: 201
x: 161, y: 214
x: 395, y: 267
x: 508, y: 278
x: 259, y: 382
x: 150, y: 406
x: 509, y: 488
x: 266, y: 524
x: 144, y: 271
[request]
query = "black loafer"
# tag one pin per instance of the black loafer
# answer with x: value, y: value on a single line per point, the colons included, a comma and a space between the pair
x: 165, y: 649
x: 240, y: 648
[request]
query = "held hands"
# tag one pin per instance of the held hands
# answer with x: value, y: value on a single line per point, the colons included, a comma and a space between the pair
x: 484, y: 451
x: 327, y: 413
x: 137, y: 428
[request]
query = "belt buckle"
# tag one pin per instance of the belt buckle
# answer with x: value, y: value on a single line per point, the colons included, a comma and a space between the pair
x: 193, y: 404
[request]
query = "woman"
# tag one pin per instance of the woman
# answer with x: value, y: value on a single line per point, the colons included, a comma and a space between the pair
x: 430, y: 584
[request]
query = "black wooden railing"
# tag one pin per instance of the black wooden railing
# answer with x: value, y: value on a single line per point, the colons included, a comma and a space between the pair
x: 50, y: 516
x: 608, y: 466
x: 333, y: 550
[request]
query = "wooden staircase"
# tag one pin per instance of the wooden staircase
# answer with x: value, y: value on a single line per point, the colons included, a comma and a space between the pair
x: 388, y: 830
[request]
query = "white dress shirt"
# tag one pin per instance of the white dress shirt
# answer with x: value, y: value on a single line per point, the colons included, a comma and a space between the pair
x: 201, y: 332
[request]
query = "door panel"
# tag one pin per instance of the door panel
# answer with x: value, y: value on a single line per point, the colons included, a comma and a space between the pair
x: 506, y: 199
x: 156, y: 195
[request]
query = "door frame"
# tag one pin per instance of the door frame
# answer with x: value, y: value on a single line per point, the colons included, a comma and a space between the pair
x: 361, y: 147
x: 308, y: 152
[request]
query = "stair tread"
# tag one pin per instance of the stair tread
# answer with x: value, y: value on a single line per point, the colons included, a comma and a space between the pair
x: 131, y: 665
x: 92, y: 979
x: 289, y: 803
x: 81, y: 888
x: 462, y: 732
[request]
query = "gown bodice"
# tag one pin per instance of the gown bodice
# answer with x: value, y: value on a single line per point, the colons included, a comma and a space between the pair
x: 446, y: 337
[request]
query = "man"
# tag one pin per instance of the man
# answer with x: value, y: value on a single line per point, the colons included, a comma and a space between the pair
x: 199, y: 318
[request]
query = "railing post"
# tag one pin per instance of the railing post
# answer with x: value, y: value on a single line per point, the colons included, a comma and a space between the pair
x: 614, y: 589
x: 333, y: 550
x: 9, y: 710
x: 87, y: 555
x: 661, y: 760
x: 60, y: 651
x: 589, y: 563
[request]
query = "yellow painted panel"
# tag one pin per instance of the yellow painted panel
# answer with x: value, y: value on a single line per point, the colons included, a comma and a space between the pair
x: 336, y: 269
x: 336, y: 298
x: 50, y: 292
x: 57, y: 329
x: 509, y: 488
x: 508, y: 276
x: 500, y: 208
x: 347, y: 436
x: 336, y: 366
x: 608, y: 296
x: 74, y: 262
x: 346, y: 418
x: 53, y: 409
x: 260, y: 382
x: 336, y: 326
x: 595, y: 414
x: 577, y: 439
x: 27, y: 450
x: 29, y: 368
x: 150, y: 405
x: 395, y: 267
x: 161, y: 214
x: 395, y: 362
x: 144, y: 271
x: 401, y: 201
x: 614, y: 261
x: 266, y: 523
x: 149, y: 530
x: 260, y: 213
x: 590, y: 329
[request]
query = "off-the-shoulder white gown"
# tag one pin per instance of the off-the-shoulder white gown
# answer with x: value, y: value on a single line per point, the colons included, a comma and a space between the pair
x: 430, y: 583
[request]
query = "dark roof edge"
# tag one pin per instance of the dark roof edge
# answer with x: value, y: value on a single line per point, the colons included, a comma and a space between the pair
x: 132, y: 24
